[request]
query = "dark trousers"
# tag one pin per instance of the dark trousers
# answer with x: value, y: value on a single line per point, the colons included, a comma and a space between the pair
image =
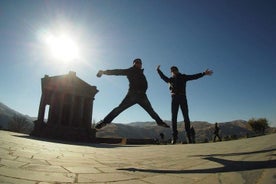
x: 216, y: 135
x: 130, y: 99
x: 180, y: 101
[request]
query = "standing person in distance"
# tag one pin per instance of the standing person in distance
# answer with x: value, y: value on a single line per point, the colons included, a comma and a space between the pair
x: 216, y: 133
x: 177, y: 83
x: 138, y: 86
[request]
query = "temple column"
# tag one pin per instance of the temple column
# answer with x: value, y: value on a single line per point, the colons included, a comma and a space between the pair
x: 41, y: 111
x: 51, y: 115
x: 60, y: 108
x: 88, y: 112
x: 72, y: 105
x: 81, y: 111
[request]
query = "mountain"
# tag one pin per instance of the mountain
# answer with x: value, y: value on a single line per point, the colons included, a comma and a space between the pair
x: 7, y: 114
x: 204, y: 130
x: 145, y: 130
x: 149, y: 131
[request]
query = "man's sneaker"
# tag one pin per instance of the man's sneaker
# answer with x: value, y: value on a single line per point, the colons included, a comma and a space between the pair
x: 100, y: 124
x: 174, y: 140
x: 163, y: 124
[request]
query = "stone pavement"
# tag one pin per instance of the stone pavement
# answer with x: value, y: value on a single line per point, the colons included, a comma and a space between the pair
x: 26, y: 160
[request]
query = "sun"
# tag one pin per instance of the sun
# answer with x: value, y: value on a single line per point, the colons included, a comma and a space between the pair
x: 62, y: 47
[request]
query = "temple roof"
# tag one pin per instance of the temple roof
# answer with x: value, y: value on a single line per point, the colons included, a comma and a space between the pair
x: 69, y: 83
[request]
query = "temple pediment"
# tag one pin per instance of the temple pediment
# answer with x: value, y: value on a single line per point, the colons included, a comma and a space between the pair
x: 68, y: 83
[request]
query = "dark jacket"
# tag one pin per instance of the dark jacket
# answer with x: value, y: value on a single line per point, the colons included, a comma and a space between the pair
x: 216, y: 130
x: 137, y: 80
x: 178, y: 83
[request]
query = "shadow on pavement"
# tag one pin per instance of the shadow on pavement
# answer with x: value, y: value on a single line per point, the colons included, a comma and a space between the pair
x: 95, y: 145
x: 237, y: 154
x: 228, y: 166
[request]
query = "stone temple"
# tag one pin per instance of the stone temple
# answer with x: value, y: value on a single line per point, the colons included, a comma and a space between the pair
x: 65, y: 110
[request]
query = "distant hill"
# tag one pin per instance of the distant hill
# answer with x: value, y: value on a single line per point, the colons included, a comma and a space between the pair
x: 7, y: 114
x: 149, y: 130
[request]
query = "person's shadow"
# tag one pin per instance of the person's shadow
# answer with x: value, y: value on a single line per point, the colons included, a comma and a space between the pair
x: 228, y: 165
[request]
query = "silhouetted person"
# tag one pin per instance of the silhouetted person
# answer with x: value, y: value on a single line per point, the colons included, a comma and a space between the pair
x: 177, y: 88
x: 136, y: 93
x: 192, y: 132
x: 162, y: 137
x: 216, y: 132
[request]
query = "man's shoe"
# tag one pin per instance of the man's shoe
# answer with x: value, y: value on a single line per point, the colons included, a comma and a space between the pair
x: 163, y: 124
x: 100, y: 124
x: 189, y: 140
x: 174, y: 140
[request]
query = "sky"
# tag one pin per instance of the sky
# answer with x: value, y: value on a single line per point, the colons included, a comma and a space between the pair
x: 234, y: 38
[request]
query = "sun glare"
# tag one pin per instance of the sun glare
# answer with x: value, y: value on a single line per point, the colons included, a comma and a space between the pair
x: 62, y: 47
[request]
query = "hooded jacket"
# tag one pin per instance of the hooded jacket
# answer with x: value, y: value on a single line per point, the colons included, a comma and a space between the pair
x: 137, y: 80
x: 178, y: 82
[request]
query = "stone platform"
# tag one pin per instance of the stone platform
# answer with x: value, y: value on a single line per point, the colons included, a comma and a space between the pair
x: 26, y: 160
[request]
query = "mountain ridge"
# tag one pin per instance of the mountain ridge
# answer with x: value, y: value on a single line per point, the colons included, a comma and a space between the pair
x: 149, y: 130
x: 7, y: 113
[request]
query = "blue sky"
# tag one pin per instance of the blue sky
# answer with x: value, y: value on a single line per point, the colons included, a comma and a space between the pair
x: 236, y: 39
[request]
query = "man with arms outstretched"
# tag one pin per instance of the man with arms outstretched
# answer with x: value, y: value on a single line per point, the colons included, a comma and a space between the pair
x: 136, y: 93
x: 177, y: 83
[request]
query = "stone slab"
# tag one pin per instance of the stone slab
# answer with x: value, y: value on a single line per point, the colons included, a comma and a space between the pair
x: 24, y: 159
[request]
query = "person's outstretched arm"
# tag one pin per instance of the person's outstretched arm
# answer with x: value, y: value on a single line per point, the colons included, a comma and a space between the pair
x: 112, y: 72
x: 208, y: 72
x: 164, y: 77
x: 199, y: 75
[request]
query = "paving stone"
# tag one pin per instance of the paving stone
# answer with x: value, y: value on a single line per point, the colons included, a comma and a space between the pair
x: 9, y: 180
x: 24, y: 159
x: 83, y: 169
x: 130, y: 182
x: 44, y: 168
x: 267, y: 177
x: 11, y: 163
x: 231, y: 178
x: 167, y: 178
x: 36, y: 175
x: 105, y: 177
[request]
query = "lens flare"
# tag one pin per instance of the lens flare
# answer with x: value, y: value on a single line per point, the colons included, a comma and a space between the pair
x: 62, y: 47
